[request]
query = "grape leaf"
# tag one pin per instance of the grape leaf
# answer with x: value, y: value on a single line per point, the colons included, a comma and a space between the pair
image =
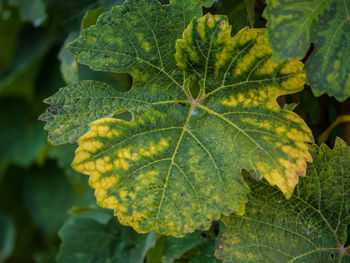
x: 175, y: 167
x: 310, y: 227
x: 85, y: 239
x: 88, y: 101
x: 294, y: 25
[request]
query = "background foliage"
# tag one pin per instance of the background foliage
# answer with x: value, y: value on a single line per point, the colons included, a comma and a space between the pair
x: 44, y: 205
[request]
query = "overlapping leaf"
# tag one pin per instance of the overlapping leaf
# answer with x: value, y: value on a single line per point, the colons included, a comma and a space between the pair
x: 294, y: 25
x: 87, y: 238
x: 176, y: 166
x: 310, y: 227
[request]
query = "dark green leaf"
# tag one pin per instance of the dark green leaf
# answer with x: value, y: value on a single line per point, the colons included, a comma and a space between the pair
x: 87, y: 240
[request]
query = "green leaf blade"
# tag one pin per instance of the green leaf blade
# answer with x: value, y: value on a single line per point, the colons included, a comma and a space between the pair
x: 310, y: 227
x: 137, y: 38
x: 293, y: 26
x: 240, y: 84
x: 74, y: 107
x: 87, y: 239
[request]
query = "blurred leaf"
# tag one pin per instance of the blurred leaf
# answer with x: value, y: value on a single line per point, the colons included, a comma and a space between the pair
x: 309, y: 105
x: 103, y: 216
x: 90, y: 17
x: 240, y: 14
x: 48, y: 197
x: 69, y: 67
x: 10, y: 26
x: 11, y: 196
x: 206, y: 253
x: 7, y: 237
x: 45, y: 257
x: 250, y: 5
x: 49, y: 78
x: 176, y: 247
x: 32, y: 11
x: 64, y: 155
x: 21, y: 136
x: 70, y: 13
x: 155, y: 254
x: 87, y: 240
x: 19, y: 77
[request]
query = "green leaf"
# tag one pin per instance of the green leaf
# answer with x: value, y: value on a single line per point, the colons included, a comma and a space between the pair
x: 310, y: 227
x: 90, y: 18
x: 98, y: 100
x: 69, y: 67
x: 294, y: 25
x: 206, y: 253
x: 69, y: 14
x: 87, y: 240
x: 176, y: 247
x: 10, y: 26
x: 48, y: 196
x: 175, y: 167
x: 309, y: 106
x: 206, y: 3
x: 290, y: 106
x: 7, y: 237
x: 32, y: 11
x: 64, y: 154
x: 85, y: 101
x: 18, y: 78
x: 21, y: 136
x: 251, y: 11
x: 240, y: 14
x: 154, y: 255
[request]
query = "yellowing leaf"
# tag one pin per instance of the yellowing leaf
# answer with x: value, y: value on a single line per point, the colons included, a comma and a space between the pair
x: 294, y: 25
x: 175, y: 167
x: 310, y: 227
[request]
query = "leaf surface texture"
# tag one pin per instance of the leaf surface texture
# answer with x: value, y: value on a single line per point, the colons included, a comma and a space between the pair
x: 294, y: 25
x: 203, y: 108
x: 310, y: 227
